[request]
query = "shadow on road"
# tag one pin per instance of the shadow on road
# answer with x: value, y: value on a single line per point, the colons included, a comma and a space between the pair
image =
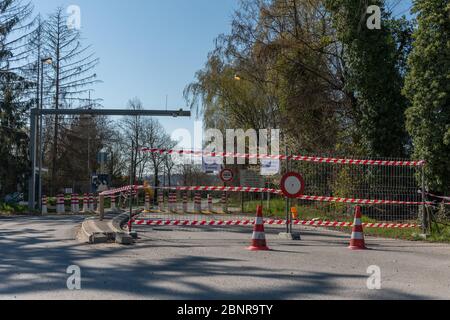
x: 34, y: 261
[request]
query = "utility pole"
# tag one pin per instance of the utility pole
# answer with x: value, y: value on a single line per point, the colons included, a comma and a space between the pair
x: 131, y: 186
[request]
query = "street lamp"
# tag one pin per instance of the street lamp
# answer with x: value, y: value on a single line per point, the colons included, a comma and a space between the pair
x: 44, y: 61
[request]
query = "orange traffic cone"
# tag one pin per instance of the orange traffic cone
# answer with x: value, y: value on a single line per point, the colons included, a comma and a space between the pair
x: 259, y: 236
x: 357, y: 241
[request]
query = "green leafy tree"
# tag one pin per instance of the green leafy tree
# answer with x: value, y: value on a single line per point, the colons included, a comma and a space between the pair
x: 373, y: 78
x: 428, y: 88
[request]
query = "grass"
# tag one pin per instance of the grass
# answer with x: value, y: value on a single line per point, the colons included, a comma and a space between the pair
x: 440, y: 233
x: 278, y: 207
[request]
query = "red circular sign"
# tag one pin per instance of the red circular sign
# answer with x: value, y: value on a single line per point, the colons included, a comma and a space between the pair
x: 293, y: 185
x: 226, y: 175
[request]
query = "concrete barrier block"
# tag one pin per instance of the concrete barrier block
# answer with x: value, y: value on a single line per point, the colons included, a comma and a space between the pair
x: 98, y: 238
x: 123, y: 238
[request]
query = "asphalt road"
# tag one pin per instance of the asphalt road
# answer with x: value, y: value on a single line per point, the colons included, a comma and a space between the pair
x: 212, y: 264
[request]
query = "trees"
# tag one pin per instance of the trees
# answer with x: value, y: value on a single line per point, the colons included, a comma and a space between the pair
x: 290, y: 74
x: 81, y: 141
x: 15, y: 91
x: 132, y: 128
x: 313, y: 69
x: 373, y: 79
x: 154, y: 136
x: 72, y: 75
x: 427, y: 87
x: 141, y: 132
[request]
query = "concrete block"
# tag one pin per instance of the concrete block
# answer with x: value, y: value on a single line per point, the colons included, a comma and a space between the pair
x: 290, y: 236
x: 123, y: 238
x: 98, y: 238
x: 133, y: 234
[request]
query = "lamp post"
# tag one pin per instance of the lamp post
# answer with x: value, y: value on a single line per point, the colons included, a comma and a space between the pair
x: 44, y: 61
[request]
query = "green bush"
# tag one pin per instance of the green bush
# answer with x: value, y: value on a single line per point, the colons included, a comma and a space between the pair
x: 12, y: 208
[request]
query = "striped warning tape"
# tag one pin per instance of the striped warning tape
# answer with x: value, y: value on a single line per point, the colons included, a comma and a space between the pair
x: 120, y: 190
x: 308, y: 198
x: 274, y: 191
x: 285, y: 157
x: 311, y: 223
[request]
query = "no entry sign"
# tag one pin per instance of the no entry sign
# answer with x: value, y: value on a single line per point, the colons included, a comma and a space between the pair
x: 226, y: 175
x: 293, y: 185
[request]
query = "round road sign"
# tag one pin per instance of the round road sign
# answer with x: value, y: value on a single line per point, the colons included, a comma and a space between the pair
x: 292, y: 185
x: 226, y: 175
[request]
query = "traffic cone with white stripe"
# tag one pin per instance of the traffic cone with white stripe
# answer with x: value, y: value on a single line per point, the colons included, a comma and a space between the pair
x: 357, y: 241
x: 259, y: 236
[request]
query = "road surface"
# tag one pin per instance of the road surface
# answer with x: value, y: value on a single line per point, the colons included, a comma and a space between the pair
x: 212, y: 264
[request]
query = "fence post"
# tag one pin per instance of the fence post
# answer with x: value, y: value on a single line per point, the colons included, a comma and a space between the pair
x: 185, y: 203
x: 210, y: 203
x: 225, y: 203
x: 161, y: 201
x: 113, y: 202
x: 101, y: 207
x: 76, y: 204
x: 44, y: 205
x: 286, y: 198
x: 198, y: 203
x: 425, y: 217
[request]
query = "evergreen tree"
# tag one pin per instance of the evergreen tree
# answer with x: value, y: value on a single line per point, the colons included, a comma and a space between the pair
x: 428, y: 88
x: 15, y: 91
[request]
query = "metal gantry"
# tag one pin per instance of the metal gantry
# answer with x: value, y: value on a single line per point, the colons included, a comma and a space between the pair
x: 37, y: 114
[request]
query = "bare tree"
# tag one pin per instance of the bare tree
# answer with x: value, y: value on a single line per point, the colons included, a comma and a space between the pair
x: 132, y: 128
x: 154, y: 136
x: 72, y: 76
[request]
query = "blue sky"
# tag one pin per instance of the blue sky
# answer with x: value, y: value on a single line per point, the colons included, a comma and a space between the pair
x: 151, y: 48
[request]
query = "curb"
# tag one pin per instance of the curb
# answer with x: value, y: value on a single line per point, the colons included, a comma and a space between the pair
x: 94, y: 237
x: 117, y: 234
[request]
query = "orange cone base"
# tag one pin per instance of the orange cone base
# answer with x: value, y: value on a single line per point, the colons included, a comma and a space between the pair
x: 253, y: 248
x: 358, y: 246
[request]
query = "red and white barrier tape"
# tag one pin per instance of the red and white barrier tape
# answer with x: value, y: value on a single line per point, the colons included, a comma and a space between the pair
x: 273, y: 191
x: 308, y: 198
x: 284, y: 157
x: 121, y: 190
x: 311, y: 223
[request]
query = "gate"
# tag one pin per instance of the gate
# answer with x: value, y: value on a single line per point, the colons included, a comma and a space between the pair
x: 388, y: 190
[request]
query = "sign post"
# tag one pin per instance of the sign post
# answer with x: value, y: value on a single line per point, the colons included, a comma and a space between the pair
x: 226, y: 175
x: 293, y: 186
